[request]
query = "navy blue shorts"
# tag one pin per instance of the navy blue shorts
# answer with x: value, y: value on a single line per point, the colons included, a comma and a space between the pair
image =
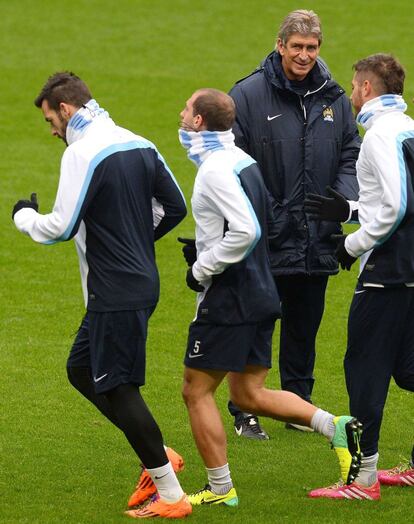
x: 112, y: 344
x: 229, y: 348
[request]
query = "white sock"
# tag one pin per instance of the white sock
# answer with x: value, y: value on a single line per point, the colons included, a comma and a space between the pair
x: 219, y: 479
x: 322, y: 422
x: 367, y: 475
x: 166, y: 482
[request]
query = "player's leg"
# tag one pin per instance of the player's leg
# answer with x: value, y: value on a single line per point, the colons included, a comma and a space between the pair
x: 118, y: 365
x: 303, y: 300
x: 80, y: 373
x: 198, y: 392
x: 374, y: 333
x: 206, y: 424
x: 248, y: 390
x: 403, y: 373
x: 212, y: 350
x: 247, y: 386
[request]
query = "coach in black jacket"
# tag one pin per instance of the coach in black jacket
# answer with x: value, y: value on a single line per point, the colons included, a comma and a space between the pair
x: 297, y: 123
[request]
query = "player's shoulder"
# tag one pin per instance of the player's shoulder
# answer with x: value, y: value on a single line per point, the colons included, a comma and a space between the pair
x: 249, y: 82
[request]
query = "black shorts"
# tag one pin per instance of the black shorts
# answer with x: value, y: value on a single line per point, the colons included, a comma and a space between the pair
x: 229, y: 348
x: 112, y: 344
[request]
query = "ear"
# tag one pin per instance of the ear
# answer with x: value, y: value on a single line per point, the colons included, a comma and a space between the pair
x: 367, y: 89
x: 198, y: 122
x: 67, y: 110
x: 279, y: 46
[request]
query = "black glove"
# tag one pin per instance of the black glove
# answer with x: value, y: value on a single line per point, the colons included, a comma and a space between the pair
x: 334, y: 209
x: 192, y: 283
x: 344, y: 258
x: 20, y: 204
x: 189, y: 250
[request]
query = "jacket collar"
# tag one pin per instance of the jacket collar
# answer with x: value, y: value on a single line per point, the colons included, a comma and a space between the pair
x: 80, y: 122
x: 319, y: 77
x: 379, y: 106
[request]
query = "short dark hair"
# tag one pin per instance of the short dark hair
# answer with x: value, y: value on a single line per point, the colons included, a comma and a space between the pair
x: 217, y: 109
x: 386, y: 73
x: 63, y: 87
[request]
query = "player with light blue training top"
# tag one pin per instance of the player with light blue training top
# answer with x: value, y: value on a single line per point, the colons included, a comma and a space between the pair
x: 237, y: 301
x: 380, y: 324
x: 116, y: 196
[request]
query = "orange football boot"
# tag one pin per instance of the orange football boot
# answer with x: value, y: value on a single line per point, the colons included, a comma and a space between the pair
x: 145, y: 487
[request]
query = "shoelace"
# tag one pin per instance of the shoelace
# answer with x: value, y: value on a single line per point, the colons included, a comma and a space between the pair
x: 207, y: 487
x: 405, y: 466
x: 337, y: 485
x: 253, y: 423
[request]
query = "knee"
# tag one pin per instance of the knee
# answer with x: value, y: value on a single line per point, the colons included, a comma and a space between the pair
x: 80, y: 378
x: 188, y: 392
x: 243, y: 398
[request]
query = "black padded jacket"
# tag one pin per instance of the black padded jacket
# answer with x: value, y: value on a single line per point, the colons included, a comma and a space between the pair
x: 304, y: 137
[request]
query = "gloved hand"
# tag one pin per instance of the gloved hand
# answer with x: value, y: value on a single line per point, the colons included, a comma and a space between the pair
x: 192, y: 283
x: 189, y: 250
x: 20, y: 204
x: 344, y: 258
x: 334, y: 208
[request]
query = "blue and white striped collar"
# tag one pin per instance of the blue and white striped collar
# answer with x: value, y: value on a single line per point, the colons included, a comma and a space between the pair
x: 80, y: 121
x: 201, y: 144
x: 379, y: 106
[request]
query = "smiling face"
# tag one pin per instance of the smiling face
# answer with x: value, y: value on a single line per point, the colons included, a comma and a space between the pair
x: 299, y: 55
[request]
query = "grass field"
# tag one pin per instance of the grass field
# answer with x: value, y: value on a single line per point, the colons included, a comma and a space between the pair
x: 61, y: 462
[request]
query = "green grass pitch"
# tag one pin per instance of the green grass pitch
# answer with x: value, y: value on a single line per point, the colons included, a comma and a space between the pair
x: 61, y: 462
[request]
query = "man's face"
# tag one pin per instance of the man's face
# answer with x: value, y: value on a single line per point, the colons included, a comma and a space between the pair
x: 299, y: 55
x: 58, y: 123
x: 188, y: 120
x: 357, y: 97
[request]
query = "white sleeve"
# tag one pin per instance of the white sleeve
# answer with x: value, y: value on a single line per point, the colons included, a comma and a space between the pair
x: 158, y: 212
x: 59, y: 224
x: 353, y: 206
x: 228, y: 199
x: 380, y: 161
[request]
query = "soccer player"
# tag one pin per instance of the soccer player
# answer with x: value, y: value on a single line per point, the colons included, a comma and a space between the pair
x: 297, y: 123
x: 114, y: 188
x: 380, y: 324
x: 237, y: 301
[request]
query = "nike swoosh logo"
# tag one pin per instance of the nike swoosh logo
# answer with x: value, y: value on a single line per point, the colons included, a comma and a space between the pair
x: 269, y: 118
x: 215, y: 500
x: 97, y: 379
x: 238, y: 430
x: 195, y: 356
x: 162, y: 476
x: 358, y: 292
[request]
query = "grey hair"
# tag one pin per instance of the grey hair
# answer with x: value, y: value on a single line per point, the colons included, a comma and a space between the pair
x: 303, y: 22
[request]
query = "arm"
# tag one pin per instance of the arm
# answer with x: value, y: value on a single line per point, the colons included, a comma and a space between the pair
x: 63, y: 222
x: 227, y: 198
x: 241, y: 125
x: 379, y: 161
x: 168, y: 204
x: 346, y: 182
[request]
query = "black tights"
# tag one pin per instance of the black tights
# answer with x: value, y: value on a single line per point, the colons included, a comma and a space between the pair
x: 126, y: 409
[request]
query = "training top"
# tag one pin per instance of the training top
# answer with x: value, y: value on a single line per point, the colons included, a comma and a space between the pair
x: 231, y: 209
x: 117, y: 195
x: 385, y: 171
